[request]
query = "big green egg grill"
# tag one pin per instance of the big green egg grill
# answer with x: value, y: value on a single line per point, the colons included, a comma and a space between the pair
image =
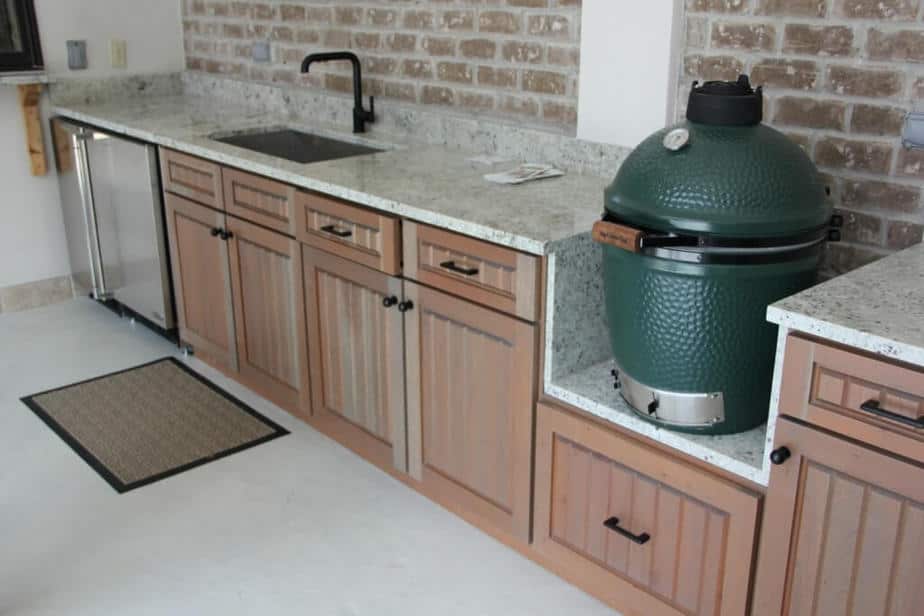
x: 707, y: 223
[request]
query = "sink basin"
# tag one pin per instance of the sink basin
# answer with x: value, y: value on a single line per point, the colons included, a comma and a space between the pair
x: 296, y: 146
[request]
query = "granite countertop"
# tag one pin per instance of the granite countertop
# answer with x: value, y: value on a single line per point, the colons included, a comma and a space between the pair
x: 878, y: 308
x: 428, y: 184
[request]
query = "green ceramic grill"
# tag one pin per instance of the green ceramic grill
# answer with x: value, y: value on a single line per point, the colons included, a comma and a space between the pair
x: 706, y: 224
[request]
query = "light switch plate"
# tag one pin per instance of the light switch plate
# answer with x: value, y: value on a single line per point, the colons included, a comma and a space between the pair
x: 76, y: 55
x: 260, y: 52
x: 118, y: 53
x: 913, y: 131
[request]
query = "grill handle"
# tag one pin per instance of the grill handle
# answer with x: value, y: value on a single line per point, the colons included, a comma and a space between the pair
x: 613, y: 524
x: 873, y: 406
x: 618, y: 236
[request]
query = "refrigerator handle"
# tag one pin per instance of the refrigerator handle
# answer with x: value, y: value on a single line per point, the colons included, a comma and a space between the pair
x: 85, y: 183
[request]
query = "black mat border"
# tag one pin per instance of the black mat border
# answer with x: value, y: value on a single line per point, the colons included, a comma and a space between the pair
x: 114, y: 481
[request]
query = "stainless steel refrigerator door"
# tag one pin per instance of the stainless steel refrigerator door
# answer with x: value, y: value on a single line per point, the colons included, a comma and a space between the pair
x: 130, y: 221
x: 76, y: 192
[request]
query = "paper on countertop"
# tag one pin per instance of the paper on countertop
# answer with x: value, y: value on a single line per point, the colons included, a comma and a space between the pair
x: 526, y: 172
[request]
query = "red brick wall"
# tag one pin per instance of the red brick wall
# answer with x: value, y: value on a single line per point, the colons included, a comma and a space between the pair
x: 516, y: 58
x: 840, y: 76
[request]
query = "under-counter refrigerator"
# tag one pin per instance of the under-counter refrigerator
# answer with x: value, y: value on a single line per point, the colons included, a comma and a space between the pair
x: 114, y: 219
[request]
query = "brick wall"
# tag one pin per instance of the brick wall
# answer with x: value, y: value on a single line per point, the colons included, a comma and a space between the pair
x: 513, y: 58
x: 840, y: 76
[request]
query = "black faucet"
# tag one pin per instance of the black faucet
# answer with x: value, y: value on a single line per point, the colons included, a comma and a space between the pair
x: 360, y: 115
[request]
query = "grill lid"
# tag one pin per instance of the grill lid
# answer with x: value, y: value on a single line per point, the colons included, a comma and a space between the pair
x: 720, y: 179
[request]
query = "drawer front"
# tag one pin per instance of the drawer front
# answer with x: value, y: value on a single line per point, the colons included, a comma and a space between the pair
x: 349, y: 231
x: 492, y: 275
x: 869, y: 399
x: 260, y: 200
x: 191, y: 177
x: 649, y: 533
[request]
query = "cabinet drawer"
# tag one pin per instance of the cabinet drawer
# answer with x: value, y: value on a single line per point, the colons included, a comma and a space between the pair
x: 869, y: 399
x: 492, y: 275
x: 260, y: 200
x: 640, y: 529
x: 349, y: 231
x: 191, y: 177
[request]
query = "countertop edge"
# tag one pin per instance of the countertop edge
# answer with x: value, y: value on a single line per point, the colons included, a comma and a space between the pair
x: 417, y: 214
x: 754, y: 474
x: 847, y: 336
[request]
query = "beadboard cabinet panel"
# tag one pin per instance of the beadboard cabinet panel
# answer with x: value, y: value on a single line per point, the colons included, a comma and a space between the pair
x: 843, y: 531
x: 266, y: 279
x: 357, y: 356
x: 202, y: 281
x: 470, y: 407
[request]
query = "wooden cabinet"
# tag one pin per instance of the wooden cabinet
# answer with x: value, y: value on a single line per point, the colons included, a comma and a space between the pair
x: 349, y: 231
x: 470, y: 375
x: 202, y: 281
x: 355, y: 334
x: 193, y: 178
x: 645, y: 532
x: 260, y: 200
x: 871, y: 399
x: 269, y: 312
x: 843, y: 530
x: 482, y: 272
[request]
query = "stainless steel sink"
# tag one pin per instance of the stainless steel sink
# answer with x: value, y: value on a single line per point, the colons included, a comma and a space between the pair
x: 295, y: 145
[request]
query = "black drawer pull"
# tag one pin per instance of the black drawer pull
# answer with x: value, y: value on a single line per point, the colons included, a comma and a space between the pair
x: 390, y: 301
x: 333, y: 230
x: 613, y: 524
x: 452, y: 267
x: 873, y: 406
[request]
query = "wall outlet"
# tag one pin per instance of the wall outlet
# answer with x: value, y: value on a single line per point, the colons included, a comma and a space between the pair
x: 260, y: 52
x: 118, y: 53
x: 76, y: 55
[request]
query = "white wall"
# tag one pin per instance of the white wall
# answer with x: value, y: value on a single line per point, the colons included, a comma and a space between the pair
x: 629, y: 55
x: 32, y: 234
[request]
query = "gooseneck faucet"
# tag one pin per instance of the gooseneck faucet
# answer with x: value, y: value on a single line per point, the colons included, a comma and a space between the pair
x: 360, y: 115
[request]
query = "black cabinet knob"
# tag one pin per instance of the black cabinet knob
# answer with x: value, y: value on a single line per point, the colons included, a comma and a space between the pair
x: 388, y: 302
x: 405, y: 306
x: 215, y: 232
x: 779, y: 456
x: 227, y: 235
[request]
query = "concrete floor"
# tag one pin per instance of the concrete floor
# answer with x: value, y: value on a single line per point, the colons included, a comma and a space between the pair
x: 295, y: 526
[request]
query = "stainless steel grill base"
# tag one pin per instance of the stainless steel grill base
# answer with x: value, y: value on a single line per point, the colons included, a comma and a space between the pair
x: 670, y: 408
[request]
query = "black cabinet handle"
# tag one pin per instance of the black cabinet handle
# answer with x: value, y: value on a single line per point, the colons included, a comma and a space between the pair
x: 873, y: 406
x: 779, y: 456
x: 227, y: 235
x: 388, y: 302
x: 405, y: 306
x: 333, y: 230
x: 613, y: 524
x: 452, y: 267
x: 215, y: 232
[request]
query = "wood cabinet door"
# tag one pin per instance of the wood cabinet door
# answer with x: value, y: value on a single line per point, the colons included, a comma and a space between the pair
x: 201, y: 281
x: 357, y: 356
x: 266, y: 280
x: 470, y: 408
x: 843, y: 530
x: 642, y: 530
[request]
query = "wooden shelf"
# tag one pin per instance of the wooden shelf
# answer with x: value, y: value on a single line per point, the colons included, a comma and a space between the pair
x: 29, y: 97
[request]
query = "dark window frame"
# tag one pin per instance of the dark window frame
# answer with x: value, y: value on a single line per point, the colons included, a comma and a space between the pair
x: 30, y: 58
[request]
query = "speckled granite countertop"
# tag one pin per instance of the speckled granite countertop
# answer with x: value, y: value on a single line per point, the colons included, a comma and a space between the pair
x: 877, y: 308
x: 429, y: 184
